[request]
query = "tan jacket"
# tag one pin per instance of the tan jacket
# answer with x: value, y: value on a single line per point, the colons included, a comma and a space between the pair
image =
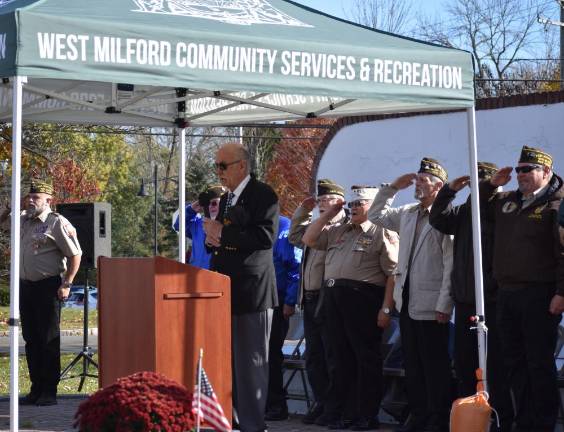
x: 431, y: 267
x: 46, y: 241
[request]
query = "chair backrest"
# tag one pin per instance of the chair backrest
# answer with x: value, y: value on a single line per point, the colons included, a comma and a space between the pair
x: 558, y: 355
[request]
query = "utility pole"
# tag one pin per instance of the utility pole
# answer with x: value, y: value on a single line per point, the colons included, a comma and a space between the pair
x: 560, y: 23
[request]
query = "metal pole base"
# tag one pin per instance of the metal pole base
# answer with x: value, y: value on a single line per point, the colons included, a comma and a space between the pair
x: 87, y: 359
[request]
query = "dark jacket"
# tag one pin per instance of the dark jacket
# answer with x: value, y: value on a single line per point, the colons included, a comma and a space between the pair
x: 527, y: 250
x: 245, y: 254
x: 457, y: 221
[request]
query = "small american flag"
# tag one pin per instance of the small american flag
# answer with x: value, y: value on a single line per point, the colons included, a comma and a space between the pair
x: 210, y: 408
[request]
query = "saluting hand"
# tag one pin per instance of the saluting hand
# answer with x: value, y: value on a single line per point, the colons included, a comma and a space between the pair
x: 502, y: 177
x: 196, y: 206
x: 309, y: 203
x: 333, y: 210
x: 459, y: 183
x: 404, y: 181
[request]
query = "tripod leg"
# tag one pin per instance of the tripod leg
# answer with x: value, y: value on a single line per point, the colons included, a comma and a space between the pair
x: 70, y: 366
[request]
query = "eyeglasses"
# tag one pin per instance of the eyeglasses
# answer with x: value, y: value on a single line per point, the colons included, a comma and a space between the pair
x: 526, y: 169
x: 326, y: 200
x: 357, y: 203
x: 222, y: 166
x: 214, y: 204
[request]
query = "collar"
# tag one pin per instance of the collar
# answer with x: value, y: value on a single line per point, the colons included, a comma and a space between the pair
x: 365, y: 226
x: 536, y: 193
x: 239, y: 189
x: 43, y: 215
x: 422, y: 209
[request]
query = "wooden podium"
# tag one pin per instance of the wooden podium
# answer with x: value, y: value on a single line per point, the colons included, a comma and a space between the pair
x: 154, y: 314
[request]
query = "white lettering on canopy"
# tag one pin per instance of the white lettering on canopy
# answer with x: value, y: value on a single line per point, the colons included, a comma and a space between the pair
x: 295, y: 64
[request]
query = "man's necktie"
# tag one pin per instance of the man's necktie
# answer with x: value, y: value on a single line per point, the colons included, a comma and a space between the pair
x: 230, y: 197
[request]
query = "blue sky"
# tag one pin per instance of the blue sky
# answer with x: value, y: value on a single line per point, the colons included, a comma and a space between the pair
x: 337, y: 7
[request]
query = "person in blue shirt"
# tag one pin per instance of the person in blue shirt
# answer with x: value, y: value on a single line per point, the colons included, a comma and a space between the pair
x: 287, y: 260
x: 207, y: 203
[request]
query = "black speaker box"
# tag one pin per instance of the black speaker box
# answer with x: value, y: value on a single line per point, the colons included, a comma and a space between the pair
x: 93, y: 223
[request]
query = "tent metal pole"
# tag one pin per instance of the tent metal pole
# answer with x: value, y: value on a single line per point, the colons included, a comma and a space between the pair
x: 15, y: 250
x: 182, y: 196
x: 477, y: 244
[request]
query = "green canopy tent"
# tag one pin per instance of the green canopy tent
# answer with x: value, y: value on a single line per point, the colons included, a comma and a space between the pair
x: 183, y: 63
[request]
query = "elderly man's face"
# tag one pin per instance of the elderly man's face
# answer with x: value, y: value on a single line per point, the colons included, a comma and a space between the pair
x: 214, y: 207
x: 37, y: 203
x: 359, y: 210
x: 231, y: 170
x: 536, y: 178
x: 324, y: 202
x: 425, y: 186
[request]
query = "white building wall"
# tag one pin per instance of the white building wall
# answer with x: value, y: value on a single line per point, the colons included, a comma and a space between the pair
x: 379, y: 151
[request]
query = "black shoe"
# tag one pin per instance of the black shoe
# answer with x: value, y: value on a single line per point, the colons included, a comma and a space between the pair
x: 46, y: 400
x: 366, y: 423
x: 314, y: 412
x: 29, y: 399
x: 276, y: 414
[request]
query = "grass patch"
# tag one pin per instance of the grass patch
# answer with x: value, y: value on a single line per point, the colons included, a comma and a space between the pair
x: 71, y: 319
x: 67, y: 386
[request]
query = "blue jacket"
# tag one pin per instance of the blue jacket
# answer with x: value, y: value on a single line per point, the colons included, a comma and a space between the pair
x: 195, y: 230
x: 287, y: 260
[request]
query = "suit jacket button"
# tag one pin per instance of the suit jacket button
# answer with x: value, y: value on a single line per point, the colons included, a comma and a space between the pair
x: 215, y: 253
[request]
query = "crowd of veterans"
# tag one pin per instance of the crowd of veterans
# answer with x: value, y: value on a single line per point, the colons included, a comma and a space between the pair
x: 359, y: 268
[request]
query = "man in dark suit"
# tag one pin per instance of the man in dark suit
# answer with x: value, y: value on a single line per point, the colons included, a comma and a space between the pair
x: 241, y: 239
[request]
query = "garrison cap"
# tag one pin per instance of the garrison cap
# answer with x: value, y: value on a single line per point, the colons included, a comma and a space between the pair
x: 38, y: 186
x: 535, y: 156
x: 329, y: 187
x: 433, y: 167
x: 486, y: 170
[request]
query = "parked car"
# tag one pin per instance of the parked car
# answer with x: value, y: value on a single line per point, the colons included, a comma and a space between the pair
x: 76, y: 298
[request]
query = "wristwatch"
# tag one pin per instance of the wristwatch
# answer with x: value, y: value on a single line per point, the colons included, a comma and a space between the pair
x: 386, y: 310
x: 66, y: 284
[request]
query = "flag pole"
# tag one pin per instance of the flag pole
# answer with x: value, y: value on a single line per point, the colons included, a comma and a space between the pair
x: 199, y: 395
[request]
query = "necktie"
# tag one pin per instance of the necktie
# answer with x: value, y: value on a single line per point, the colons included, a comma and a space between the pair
x: 230, y: 197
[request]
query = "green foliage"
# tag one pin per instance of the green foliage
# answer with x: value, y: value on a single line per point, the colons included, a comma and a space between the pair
x: 4, y: 296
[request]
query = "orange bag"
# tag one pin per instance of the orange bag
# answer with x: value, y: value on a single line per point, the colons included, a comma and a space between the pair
x: 473, y: 413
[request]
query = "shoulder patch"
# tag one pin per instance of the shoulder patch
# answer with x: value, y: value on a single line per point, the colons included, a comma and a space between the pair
x: 69, y: 229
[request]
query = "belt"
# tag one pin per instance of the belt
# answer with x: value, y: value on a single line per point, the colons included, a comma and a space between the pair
x: 311, y: 295
x: 350, y: 283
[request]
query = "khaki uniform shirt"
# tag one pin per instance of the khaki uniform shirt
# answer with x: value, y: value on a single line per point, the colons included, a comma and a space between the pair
x: 364, y: 252
x: 313, y: 261
x: 45, y: 242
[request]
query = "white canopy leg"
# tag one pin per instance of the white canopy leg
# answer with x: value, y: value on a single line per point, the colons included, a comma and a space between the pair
x: 182, y: 196
x: 477, y: 243
x: 15, y: 250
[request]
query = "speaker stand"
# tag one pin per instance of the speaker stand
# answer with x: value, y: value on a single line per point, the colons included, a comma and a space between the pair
x: 86, y: 355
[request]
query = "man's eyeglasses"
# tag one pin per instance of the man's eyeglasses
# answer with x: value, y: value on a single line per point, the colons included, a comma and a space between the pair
x: 526, y: 169
x: 357, y: 203
x: 214, y: 204
x: 222, y: 166
x: 326, y: 200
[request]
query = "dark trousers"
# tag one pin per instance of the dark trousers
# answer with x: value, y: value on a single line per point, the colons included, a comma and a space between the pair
x: 317, y: 355
x: 40, y: 311
x: 427, y: 367
x: 276, y: 396
x: 466, y: 360
x: 528, y: 334
x: 352, y: 312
